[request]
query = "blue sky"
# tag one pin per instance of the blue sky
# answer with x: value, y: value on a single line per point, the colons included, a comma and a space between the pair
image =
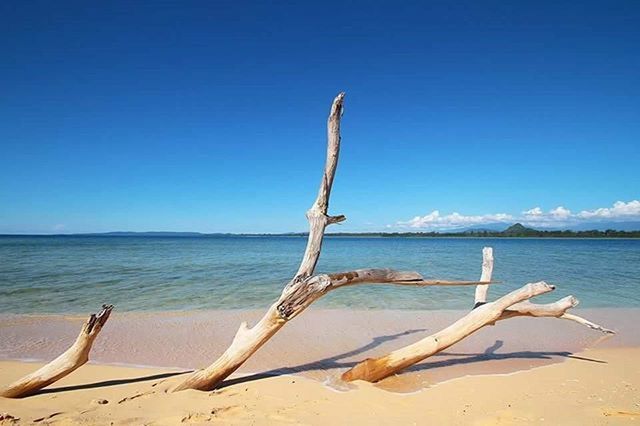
x: 210, y: 116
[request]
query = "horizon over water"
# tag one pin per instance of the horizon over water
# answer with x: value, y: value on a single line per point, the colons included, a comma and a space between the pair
x: 75, y: 274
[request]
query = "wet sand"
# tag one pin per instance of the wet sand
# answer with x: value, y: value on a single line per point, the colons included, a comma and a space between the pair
x: 320, y: 344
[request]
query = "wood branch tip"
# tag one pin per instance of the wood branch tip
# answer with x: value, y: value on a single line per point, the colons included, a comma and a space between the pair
x: 104, y: 313
x: 544, y: 284
x: 96, y: 321
x: 106, y: 310
x: 537, y: 288
x: 336, y: 219
x: 336, y: 107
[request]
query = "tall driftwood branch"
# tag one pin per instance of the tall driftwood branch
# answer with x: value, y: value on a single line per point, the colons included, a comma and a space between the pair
x: 248, y: 340
x: 514, y: 304
x: 317, y: 215
x: 304, y: 288
x: 73, y: 358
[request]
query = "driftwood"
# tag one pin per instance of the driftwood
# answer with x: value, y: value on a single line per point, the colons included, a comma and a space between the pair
x: 511, y: 305
x: 73, y: 358
x: 305, y: 287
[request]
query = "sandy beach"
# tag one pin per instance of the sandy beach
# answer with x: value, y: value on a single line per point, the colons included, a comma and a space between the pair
x: 521, y: 370
x: 595, y: 387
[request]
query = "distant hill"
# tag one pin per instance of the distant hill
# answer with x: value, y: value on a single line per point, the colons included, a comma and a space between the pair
x: 519, y: 230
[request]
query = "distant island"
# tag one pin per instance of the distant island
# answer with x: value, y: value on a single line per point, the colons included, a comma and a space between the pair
x: 514, y: 231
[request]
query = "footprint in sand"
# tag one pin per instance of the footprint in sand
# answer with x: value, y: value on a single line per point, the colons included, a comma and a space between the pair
x: 8, y: 419
x: 220, y: 411
x: 38, y: 420
x: 622, y: 413
x: 137, y: 395
x: 196, y: 418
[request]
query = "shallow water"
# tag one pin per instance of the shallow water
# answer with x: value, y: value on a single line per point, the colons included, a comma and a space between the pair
x: 75, y: 274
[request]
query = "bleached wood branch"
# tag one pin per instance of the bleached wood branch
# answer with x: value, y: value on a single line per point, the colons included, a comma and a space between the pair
x: 390, y: 276
x: 248, y: 340
x: 586, y: 322
x: 376, y: 369
x: 487, y: 271
x: 317, y: 215
x: 514, y: 304
x: 304, y: 288
x: 295, y: 298
x: 73, y: 358
x: 556, y: 309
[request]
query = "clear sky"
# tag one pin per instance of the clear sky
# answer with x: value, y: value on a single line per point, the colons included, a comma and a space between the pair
x: 210, y: 116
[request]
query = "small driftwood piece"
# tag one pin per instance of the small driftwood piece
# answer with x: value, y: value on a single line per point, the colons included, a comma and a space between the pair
x: 511, y: 305
x: 73, y: 358
x: 305, y: 287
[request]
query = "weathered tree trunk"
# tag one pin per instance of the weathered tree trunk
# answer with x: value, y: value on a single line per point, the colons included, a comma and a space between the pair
x: 512, y: 305
x: 304, y: 288
x: 73, y: 358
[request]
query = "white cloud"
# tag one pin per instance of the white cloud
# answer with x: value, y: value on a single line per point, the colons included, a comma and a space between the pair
x: 560, y: 216
x: 536, y: 211
x: 537, y: 217
x: 620, y: 209
x: 560, y: 213
x: 435, y: 220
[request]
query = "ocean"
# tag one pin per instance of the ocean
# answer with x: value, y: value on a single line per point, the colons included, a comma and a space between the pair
x: 75, y: 274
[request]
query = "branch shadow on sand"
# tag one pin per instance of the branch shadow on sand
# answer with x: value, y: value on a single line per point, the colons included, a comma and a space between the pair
x: 336, y: 362
x: 323, y: 364
x: 490, y: 355
x: 453, y: 358
x: 114, y: 382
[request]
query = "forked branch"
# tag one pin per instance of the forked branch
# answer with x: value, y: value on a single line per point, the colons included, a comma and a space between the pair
x: 512, y: 305
x: 304, y: 288
x: 376, y: 369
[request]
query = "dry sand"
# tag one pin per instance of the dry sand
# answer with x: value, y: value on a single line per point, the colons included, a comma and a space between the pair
x: 523, y: 370
x: 598, y: 387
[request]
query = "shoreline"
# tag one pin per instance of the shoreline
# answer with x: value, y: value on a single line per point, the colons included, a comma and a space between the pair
x: 321, y: 344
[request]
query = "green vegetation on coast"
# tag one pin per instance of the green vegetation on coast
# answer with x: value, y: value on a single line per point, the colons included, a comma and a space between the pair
x: 514, y: 231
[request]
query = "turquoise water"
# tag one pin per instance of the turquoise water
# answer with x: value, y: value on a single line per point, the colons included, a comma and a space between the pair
x: 77, y: 274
